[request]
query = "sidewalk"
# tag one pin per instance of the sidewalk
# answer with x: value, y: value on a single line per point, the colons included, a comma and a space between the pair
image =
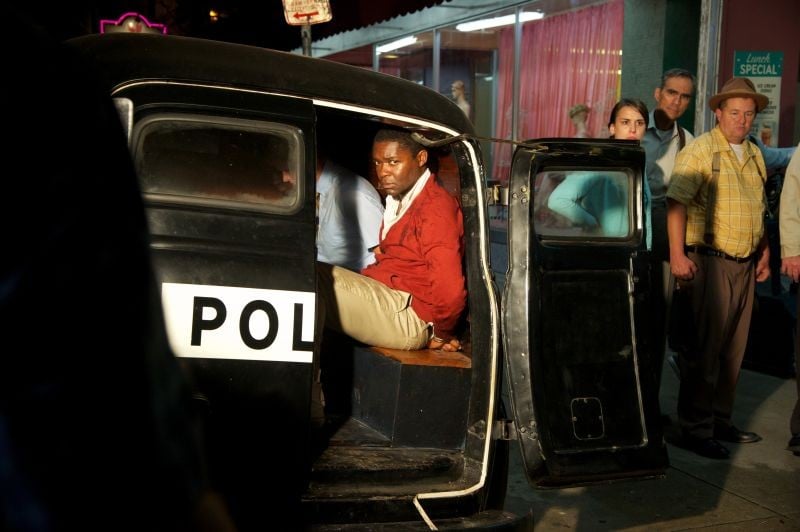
x: 757, y: 488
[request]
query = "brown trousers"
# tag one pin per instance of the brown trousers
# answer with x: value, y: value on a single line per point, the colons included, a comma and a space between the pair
x: 721, y: 295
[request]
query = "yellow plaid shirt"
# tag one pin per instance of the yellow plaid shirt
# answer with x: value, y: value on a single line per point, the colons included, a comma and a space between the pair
x: 738, y: 215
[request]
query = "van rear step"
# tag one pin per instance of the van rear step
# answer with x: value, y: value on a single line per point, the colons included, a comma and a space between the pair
x: 387, y: 464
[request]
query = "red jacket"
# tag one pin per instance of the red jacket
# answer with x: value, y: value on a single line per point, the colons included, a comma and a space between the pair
x: 422, y: 255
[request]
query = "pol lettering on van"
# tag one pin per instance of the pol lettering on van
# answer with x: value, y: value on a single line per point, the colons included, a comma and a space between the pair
x: 225, y: 322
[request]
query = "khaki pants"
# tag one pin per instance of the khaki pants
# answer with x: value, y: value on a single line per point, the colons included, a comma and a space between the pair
x: 367, y: 310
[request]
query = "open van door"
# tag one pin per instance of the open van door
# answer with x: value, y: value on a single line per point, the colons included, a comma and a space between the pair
x: 576, y: 311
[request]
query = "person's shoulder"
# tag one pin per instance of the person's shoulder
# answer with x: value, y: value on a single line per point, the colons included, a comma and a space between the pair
x: 346, y: 179
x: 363, y: 186
x: 356, y: 191
x: 580, y: 179
x: 704, y: 143
x: 435, y: 190
x: 650, y: 136
x: 435, y: 200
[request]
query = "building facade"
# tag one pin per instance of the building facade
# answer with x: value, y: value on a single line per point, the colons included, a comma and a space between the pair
x: 517, y: 68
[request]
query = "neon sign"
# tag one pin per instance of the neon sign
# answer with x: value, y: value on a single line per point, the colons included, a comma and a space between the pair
x: 131, y: 23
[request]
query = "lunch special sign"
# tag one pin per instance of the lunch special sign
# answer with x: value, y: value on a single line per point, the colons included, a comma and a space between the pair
x: 764, y: 69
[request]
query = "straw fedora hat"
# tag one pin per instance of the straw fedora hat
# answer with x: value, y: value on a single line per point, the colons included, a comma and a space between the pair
x: 738, y: 88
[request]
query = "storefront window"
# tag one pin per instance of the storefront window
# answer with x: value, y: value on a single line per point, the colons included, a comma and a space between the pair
x: 409, y: 58
x: 566, y: 59
x: 468, y: 73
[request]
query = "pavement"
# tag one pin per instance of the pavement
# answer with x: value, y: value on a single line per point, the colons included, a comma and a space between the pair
x: 758, y: 488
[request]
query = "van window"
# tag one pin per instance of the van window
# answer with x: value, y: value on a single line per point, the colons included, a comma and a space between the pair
x: 221, y: 162
x: 583, y: 204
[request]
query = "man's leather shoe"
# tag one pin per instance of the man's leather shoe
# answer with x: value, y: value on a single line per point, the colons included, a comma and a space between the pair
x: 707, y: 447
x: 734, y: 435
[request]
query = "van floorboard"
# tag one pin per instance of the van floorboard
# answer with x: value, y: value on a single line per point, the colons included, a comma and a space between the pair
x: 355, y: 432
x: 386, y: 463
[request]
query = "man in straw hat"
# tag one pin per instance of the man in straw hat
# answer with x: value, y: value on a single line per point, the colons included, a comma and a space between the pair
x: 718, y: 250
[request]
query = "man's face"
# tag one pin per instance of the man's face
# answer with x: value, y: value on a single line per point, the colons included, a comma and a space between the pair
x: 735, y: 117
x: 397, y: 168
x: 674, y: 97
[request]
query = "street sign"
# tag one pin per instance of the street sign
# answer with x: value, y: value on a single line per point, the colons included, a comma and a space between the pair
x: 302, y: 12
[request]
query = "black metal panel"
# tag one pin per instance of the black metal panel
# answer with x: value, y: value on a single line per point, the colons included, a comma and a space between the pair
x: 255, y: 412
x: 577, y: 330
x: 255, y: 421
x: 433, y: 407
x: 585, y: 379
x: 376, y: 385
x: 418, y: 406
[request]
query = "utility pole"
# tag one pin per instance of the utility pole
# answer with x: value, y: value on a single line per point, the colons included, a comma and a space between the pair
x: 305, y: 34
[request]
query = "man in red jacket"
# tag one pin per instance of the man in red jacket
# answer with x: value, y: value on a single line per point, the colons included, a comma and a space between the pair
x: 413, y: 295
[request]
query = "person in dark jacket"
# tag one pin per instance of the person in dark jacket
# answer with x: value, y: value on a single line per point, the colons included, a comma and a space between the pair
x: 96, y: 428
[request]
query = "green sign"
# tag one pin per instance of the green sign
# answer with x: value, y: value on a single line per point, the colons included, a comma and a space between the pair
x: 764, y: 69
x: 757, y: 64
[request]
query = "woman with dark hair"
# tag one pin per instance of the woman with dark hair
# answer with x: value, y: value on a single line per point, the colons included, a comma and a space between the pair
x: 629, y: 120
x: 599, y: 201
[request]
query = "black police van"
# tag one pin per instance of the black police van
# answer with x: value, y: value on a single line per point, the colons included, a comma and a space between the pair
x: 224, y: 138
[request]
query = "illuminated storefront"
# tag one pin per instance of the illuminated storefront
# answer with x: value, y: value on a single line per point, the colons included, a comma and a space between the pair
x: 515, y: 71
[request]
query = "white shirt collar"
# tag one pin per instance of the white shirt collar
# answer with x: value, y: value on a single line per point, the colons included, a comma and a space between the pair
x: 395, y: 209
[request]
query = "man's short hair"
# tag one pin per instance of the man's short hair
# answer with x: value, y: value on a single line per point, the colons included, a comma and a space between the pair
x: 403, y: 138
x: 678, y: 73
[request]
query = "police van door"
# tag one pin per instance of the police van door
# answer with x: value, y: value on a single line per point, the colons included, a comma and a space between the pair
x: 576, y: 306
x: 228, y: 182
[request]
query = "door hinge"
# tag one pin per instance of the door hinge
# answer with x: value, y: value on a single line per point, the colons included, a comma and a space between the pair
x: 504, y: 429
x: 497, y: 195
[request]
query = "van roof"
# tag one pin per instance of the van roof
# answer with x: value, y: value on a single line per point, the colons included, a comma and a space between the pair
x: 123, y: 57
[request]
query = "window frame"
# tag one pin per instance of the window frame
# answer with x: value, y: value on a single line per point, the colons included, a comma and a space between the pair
x: 293, y: 135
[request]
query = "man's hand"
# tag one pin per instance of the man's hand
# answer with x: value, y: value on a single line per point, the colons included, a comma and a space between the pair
x: 762, y: 266
x: 439, y: 343
x: 790, y: 266
x: 682, y: 267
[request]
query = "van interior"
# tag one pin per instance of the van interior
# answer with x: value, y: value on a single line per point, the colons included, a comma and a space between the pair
x: 396, y: 421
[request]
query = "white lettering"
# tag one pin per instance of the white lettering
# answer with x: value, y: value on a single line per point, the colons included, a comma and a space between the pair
x: 759, y: 70
x: 758, y: 58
